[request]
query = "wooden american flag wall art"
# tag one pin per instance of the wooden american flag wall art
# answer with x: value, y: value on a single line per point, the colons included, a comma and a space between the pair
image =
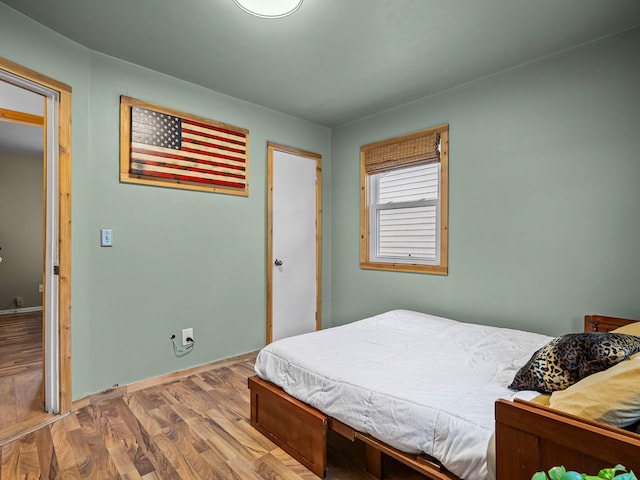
x: 168, y: 148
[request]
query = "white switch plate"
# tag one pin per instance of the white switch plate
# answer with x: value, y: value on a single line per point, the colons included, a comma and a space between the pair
x: 106, y: 237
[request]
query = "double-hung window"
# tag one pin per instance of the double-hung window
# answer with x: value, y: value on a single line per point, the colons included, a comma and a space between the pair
x: 403, y: 219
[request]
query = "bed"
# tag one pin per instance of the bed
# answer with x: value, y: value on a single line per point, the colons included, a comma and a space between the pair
x: 303, y: 390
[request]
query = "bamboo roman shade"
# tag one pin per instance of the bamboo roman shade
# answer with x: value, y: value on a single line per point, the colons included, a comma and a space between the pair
x: 405, y: 152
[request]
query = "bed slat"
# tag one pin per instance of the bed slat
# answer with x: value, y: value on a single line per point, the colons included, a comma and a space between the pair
x: 417, y: 462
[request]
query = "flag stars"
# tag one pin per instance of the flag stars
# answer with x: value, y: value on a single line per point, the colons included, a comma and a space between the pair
x: 157, y: 129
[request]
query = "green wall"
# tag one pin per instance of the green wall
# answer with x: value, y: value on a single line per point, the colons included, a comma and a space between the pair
x: 180, y: 258
x: 544, y: 210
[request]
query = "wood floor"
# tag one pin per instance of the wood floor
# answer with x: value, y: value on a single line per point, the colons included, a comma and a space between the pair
x: 196, y: 427
x: 21, y: 382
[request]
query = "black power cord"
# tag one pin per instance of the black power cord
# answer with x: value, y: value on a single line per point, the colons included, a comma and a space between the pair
x: 181, y: 351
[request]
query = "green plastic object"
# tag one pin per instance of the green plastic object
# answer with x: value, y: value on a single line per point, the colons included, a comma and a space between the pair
x: 619, y: 472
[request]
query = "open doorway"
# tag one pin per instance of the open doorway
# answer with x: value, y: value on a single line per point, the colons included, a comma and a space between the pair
x: 22, y: 261
x: 35, y: 235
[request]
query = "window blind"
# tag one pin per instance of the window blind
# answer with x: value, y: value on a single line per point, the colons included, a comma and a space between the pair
x: 402, y: 153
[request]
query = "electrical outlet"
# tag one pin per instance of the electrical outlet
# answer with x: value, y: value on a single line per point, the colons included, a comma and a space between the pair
x: 20, y: 302
x: 187, y: 333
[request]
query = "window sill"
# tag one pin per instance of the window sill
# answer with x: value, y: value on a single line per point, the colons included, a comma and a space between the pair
x: 405, y: 267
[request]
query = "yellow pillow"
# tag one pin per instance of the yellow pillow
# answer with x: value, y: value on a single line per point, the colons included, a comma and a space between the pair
x: 611, y: 396
x: 542, y: 399
x: 630, y: 329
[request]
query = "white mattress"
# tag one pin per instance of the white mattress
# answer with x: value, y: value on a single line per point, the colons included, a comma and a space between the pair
x: 417, y: 382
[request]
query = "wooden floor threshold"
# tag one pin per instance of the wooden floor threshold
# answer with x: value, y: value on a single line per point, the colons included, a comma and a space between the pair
x: 34, y: 423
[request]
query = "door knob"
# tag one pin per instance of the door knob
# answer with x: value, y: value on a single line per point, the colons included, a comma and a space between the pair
x: 278, y: 263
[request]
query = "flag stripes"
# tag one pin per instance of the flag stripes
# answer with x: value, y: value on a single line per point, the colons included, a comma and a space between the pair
x: 144, y: 159
x: 206, y: 142
x: 222, y: 133
x: 171, y: 147
x: 157, y: 169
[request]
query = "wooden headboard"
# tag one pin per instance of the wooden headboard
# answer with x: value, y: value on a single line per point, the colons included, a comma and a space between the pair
x: 532, y: 438
x: 600, y: 323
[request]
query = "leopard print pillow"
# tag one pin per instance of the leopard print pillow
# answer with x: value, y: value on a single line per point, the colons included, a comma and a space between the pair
x: 567, y: 359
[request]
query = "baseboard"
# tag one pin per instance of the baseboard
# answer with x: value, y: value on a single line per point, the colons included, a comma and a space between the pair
x: 13, y: 311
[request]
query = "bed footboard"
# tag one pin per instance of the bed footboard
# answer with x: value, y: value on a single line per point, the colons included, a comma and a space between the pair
x: 298, y: 429
x: 530, y: 438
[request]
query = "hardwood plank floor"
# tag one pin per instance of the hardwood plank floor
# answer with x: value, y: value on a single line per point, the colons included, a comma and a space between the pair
x: 196, y: 427
x: 21, y: 382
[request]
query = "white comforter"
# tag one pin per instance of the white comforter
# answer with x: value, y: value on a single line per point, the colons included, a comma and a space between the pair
x: 419, y: 383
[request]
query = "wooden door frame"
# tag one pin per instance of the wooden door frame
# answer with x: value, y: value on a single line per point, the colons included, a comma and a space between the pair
x: 271, y: 148
x: 64, y: 220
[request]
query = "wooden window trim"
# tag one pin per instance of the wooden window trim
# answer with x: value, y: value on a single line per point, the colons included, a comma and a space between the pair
x: 442, y: 268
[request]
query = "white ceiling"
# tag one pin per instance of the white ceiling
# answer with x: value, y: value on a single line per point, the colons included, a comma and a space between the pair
x: 333, y: 61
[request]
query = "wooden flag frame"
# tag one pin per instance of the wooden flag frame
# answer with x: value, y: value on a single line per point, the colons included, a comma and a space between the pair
x: 219, y: 163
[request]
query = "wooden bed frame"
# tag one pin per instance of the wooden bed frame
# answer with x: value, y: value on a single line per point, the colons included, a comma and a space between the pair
x: 529, y: 437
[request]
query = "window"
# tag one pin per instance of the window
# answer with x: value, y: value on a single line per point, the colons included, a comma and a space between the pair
x: 404, y: 215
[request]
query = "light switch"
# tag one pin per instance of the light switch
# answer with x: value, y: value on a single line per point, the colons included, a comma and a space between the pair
x: 106, y: 237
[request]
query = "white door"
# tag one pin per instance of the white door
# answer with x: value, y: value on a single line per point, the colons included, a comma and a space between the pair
x: 294, y: 246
